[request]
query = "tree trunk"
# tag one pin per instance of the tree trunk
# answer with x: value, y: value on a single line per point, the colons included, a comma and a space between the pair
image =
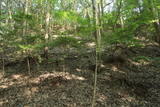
x: 119, y: 6
x: 3, y: 64
x: 47, y: 20
x: 157, y: 21
x: 102, y: 14
x: 28, y: 64
x: 94, y: 17
x: 157, y: 29
x: 97, y: 24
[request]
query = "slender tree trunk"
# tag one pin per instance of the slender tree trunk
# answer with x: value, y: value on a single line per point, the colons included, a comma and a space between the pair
x: 119, y: 6
x: 95, y: 82
x: 95, y: 35
x: 157, y: 22
x: 0, y: 7
x: 9, y: 12
x: 102, y: 14
x: 47, y: 20
x: 157, y: 29
x: 94, y: 17
x: 25, y: 23
x: 3, y: 64
x: 41, y: 14
x: 97, y: 22
x: 28, y: 64
x: 122, y: 21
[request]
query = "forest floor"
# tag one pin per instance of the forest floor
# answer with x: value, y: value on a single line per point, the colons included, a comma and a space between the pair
x: 69, y: 82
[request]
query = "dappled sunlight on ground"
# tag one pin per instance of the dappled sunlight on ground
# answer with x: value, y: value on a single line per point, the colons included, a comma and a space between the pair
x: 65, y: 75
x: 1, y: 74
x: 16, y: 76
x: 37, y: 87
x: 4, y: 86
x: 140, y: 63
x: 114, y: 68
x: 101, y: 97
x: 91, y: 44
x: 118, y: 85
x: 126, y: 97
x: 15, y: 79
x: 3, y: 102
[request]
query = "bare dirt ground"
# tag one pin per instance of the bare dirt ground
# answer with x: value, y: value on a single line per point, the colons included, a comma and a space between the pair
x: 69, y: 83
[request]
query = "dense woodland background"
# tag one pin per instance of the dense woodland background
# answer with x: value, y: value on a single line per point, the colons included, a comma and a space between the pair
x: 80, y: 53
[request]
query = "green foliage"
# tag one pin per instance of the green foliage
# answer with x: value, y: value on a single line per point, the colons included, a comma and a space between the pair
x: 109, y: 19
x: 82, y: 24
x: 20, y: 17
x: 30, y: 47
x: 64, y: 41
x: 1, y: 50
x: 119, y: 36
x: 144, y: 58
x: 156, y: 59
x: 65, y: 16
x: 33, y: 39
